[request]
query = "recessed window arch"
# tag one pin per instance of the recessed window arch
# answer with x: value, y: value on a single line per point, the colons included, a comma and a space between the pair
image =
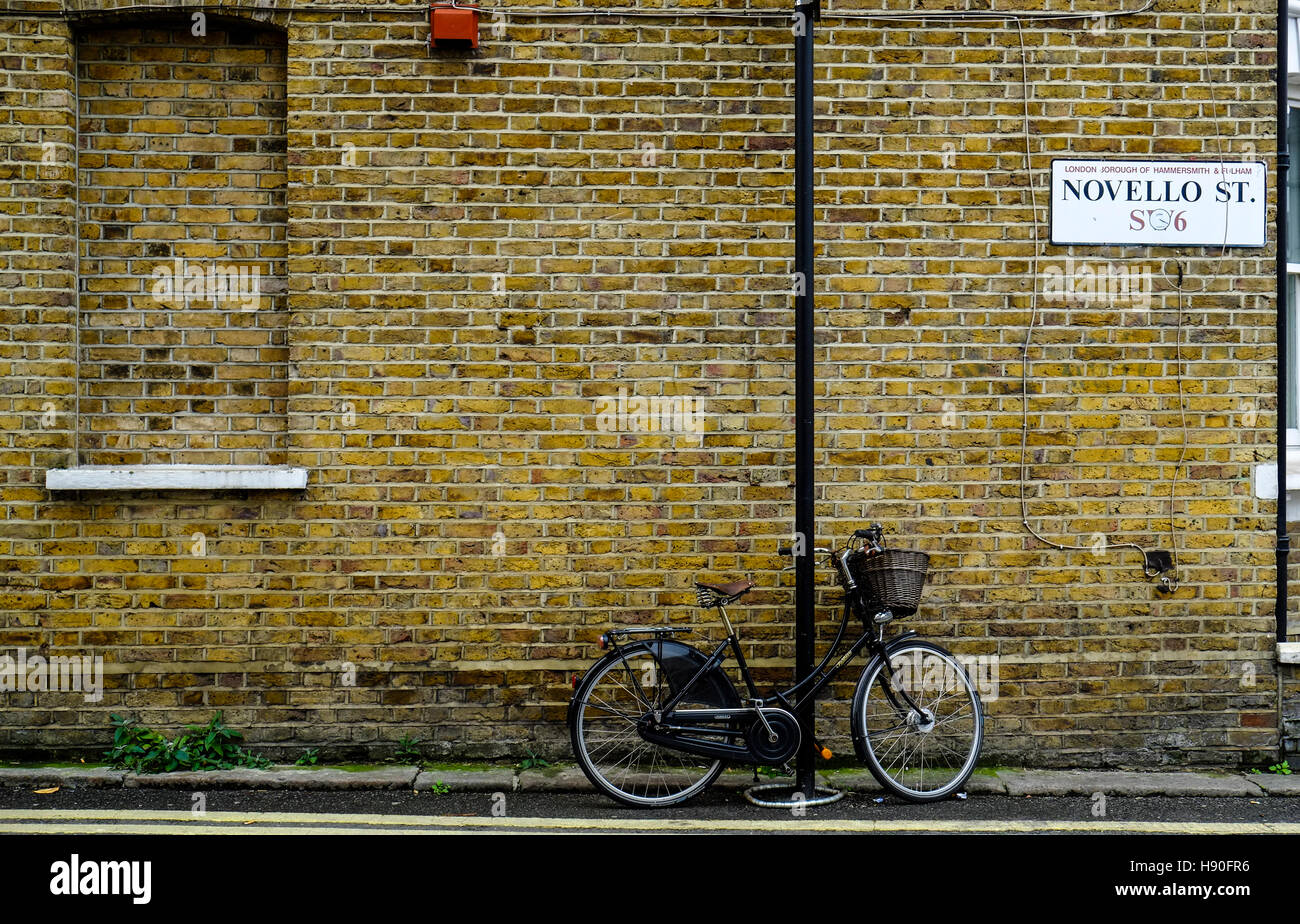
x: 182, y: 223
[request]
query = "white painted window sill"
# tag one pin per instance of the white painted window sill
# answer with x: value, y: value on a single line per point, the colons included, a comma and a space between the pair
x: 1288, y: 652
x: 175, y: 477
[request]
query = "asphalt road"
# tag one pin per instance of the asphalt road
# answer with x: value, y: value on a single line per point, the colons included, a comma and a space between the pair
x: 720, y: 809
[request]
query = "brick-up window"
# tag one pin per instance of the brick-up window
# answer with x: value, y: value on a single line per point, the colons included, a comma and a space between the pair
x: 182, y: 222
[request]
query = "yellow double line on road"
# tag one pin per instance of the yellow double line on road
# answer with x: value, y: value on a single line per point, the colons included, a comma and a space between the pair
x: 141, y: 821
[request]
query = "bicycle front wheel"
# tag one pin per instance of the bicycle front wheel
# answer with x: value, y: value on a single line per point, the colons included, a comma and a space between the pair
x: 923, y: 750
x: 611, y: 698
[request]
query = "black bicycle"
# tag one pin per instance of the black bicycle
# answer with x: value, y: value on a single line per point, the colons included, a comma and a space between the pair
x: 655, y: 720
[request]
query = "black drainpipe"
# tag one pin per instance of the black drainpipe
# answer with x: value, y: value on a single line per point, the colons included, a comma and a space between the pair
x: 1283, y: 162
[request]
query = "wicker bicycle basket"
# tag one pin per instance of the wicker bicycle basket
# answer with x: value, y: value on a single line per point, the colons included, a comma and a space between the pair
x: 894, y: 577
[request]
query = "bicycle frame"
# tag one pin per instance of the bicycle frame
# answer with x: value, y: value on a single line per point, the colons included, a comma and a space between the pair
x: 696, y: 719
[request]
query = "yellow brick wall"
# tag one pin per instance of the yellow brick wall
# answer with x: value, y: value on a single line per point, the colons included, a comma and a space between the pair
x: 480, y: 248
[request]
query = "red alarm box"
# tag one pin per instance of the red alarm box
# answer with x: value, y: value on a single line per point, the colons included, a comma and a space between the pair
x: 452, y: 25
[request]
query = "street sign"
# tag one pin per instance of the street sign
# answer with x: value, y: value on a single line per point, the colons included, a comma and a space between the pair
x: 1159, y: 203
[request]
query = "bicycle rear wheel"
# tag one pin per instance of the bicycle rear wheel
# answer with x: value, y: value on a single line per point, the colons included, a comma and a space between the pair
x: 613, y: 695
x: 920, y: 755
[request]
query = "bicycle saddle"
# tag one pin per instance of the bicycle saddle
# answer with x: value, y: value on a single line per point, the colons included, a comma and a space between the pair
x: 721, y: 594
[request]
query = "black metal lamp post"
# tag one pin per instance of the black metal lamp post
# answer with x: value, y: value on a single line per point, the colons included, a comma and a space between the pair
x: 805, y: 790
x: 804, y: 519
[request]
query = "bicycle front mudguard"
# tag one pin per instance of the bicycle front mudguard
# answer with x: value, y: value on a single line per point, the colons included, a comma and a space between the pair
x: 859, y: 744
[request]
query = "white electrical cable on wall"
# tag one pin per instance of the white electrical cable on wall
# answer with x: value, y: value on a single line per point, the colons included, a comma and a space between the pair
x: 1033, y: 322
x: 1148, y: 570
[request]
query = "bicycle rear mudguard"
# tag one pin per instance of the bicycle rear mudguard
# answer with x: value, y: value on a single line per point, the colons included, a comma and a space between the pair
x: 681, y: 663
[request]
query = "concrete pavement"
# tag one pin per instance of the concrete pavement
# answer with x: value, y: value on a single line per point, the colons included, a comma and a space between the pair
x: 141, y: 821
x: 559, y: 779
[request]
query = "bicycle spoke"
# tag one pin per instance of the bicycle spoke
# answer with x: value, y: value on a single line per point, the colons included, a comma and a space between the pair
x: 614, y: 710
x: 609, y: 746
